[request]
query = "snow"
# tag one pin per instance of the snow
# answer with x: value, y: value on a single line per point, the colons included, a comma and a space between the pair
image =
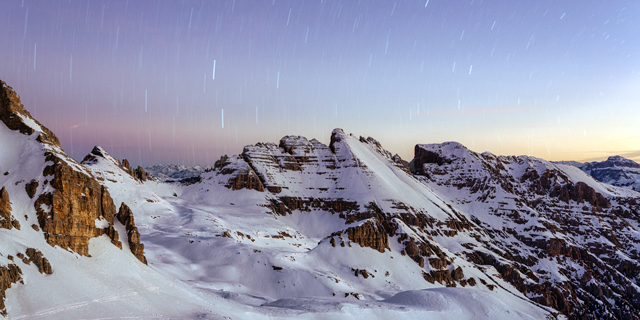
x: 30, y: 122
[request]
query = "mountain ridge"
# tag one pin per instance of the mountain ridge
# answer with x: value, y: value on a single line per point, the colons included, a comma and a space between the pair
x: 299, y: 228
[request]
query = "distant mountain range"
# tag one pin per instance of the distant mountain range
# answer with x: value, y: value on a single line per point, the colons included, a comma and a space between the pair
x: 300, y: 229
x: 175, y: 172
x: 616, y: 170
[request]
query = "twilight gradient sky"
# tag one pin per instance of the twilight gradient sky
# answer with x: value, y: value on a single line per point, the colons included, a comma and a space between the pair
x: 187, y: 81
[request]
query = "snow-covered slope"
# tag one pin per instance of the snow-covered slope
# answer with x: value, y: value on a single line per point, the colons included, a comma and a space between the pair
x: 63, y: 253
x: 316, y: 244
x: 616, y: 170
x: 300, y: 229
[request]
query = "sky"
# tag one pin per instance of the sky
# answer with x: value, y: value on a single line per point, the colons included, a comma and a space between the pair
x: 185, y: 82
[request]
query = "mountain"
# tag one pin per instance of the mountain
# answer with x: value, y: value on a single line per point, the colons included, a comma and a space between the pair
x: 231, y: 244
x: 556, y: 234
x: 616, y: 170
x: 300, y: 229
x: 175, y: 172
x: 68, y: 250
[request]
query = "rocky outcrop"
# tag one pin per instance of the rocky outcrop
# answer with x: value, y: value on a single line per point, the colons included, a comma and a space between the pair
x: 7, y: 221
x: 423, y: 156
x: 38, y: 259
x: 66, y: 214
x: 9, y: 275
x: 580, y: 192
x: 285, y: 205
x: 141, y: 174
x: 31, y: 188
x: 13, y: 113
x: 369, y: 234
x: 241, y: 174
x: 125, y: 216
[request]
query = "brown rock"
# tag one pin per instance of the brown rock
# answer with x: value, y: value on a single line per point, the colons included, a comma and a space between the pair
x: 112, y: 233
x: 67, y: 214
x: 423, y: 156
x: 39, y: 260
x: 9, y: 275
x: 75, y: 203
x: 127, y: 167
x: 7, y: 220
x: 457, y: 274
x: 141, y: 174
x: 369, y: 234
x: 125, y: 216
x: 242, y: 175
x: 31, y: 188
x: 12, y: 111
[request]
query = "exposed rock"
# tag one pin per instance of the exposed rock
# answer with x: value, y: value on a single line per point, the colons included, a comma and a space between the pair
x: 285, y: 205
x: 125, y: 216
x: 67, y: 215
x: 546, y: 215
x: 242, y: 175
x: 112, y: 233
x: 39, y: 260
x: 580, y: 192
x: 141, y: 174
x: 369, y: 234
x: 7, y: 221
x: 362, y: 272
x: 127, y: 167
x: 423, y: 156
x: 12, y: 113
x: 9, y: 275
x: 31, y: 188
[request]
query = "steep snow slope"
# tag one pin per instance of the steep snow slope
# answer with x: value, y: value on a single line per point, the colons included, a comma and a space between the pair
x: 566, y: 239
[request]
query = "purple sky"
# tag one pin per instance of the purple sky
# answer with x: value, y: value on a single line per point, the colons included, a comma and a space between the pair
x: 555, y: 79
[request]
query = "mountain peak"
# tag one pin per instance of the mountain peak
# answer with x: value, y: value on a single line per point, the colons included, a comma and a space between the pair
x: 99, y: 152
x: 16, y: 117
x: 620, y: 160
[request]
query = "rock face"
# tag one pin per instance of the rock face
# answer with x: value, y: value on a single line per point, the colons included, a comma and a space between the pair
x: 76, y: 202
x: 35, y: 256
x: 141, y: 174
x: 125, y: 216
x: 7, y: 221
x: 241, y: 174
x: 9, y: 275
